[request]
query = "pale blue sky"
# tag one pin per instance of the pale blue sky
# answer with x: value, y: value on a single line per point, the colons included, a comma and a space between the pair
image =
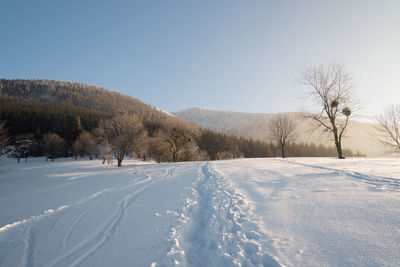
x: 235, y: 55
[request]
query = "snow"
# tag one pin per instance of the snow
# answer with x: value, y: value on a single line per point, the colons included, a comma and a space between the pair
x: 248, y: 212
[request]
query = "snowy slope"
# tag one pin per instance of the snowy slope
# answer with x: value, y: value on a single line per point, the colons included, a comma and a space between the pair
x: 255, y: 126
x: 251, y: 125
x: 250, y: 212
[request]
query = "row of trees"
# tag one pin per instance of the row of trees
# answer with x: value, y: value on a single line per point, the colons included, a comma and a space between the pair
x: 126, y: 134
x: 27, y: 116
x: 119, y: 136
x: 24, y: 146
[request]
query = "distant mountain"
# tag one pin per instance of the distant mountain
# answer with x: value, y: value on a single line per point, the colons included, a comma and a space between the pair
x: 255, y: 126
x: 249, y: 125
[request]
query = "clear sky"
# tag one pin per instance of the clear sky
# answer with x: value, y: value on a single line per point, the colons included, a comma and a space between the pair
x: 225, y: 54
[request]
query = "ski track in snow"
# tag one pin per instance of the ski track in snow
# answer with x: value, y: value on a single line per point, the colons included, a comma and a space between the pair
x: 77, y: 203
x: 103, y: 233
x: 28, y: 241
x: 105, y: 230
x: 99, y: 236
x: 378, y: 182
x: 73, y: 226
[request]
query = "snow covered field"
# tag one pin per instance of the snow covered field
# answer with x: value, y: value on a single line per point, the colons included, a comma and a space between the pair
x: 250, y: 212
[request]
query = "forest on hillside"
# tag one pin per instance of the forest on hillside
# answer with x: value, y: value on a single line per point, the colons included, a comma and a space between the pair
x: 57, y: 119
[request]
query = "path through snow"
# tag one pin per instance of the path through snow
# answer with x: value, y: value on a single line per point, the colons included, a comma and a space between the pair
x: 259, y: 212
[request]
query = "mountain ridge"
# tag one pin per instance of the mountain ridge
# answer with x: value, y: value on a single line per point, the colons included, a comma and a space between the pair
x: 80, y: 94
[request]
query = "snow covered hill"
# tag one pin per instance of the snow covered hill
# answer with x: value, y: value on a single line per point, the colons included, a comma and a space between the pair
x: 252, y: 125
x: 255, y: 126
x: 248, y: 212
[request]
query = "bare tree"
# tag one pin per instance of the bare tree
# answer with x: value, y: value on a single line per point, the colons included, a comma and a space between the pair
x: 282, y: 131
x: 86, y: 145
x: 180, y: 140
x: 158, y: 148
x: 124, y: 134
x: 331, y: 88
x: 389, y: 128
x: 3, y: 136
x: 78, y: 149
x: 103, y: 147
x: 54, y: 146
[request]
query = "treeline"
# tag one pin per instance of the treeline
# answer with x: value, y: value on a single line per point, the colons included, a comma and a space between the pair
x: 26, y: 116
x: 166, y: 141
x: 58, y: 119
x: 223, y: 146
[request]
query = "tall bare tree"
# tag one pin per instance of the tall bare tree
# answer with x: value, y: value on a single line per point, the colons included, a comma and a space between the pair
x: 282, y: 131
x: 124, y: 134
x: 389, y: 128
x: 331, y: 88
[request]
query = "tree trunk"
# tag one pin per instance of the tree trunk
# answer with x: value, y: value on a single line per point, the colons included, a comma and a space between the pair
x: 283, y: 151
x: 175, y: 156
x: 339, y: 149
x: 120, y: 157
x: 338, y: 143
